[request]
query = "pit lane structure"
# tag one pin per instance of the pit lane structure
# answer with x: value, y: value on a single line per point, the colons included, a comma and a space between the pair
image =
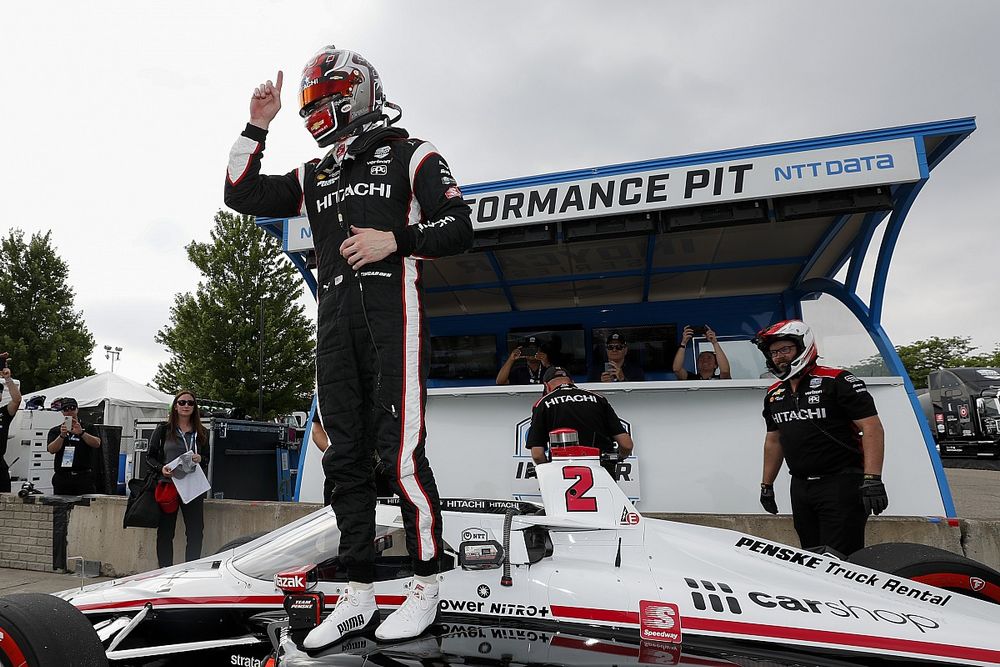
x: 739, y: 238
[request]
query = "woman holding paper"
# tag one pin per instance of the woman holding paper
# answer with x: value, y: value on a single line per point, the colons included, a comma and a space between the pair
x: 176, y: 449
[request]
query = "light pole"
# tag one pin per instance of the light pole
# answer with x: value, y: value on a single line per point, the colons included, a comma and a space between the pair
x: 112, y: 353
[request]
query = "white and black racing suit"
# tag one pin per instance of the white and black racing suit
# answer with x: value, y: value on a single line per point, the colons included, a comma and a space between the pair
x: 373, y: 350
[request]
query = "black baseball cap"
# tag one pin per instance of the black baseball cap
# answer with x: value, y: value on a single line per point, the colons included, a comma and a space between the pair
x: 554, y: 372
x: 615, y: 337
x: 64, y: 403
x: 530, y: 340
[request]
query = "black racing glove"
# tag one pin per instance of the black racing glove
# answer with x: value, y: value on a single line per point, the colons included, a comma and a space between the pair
x: 767, y: 498
x: 873, y: 494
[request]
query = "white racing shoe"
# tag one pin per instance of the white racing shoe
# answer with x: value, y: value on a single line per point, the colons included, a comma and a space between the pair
x: 355, y: 613
x: 418, y: 611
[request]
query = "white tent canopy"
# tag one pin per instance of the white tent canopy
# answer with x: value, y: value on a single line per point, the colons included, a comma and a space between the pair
x: 124, y: 400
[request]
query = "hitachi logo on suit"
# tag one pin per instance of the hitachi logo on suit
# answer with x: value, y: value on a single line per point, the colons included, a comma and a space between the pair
x: 571, y: 398
x: 362, y: 189
x: 796, y: 415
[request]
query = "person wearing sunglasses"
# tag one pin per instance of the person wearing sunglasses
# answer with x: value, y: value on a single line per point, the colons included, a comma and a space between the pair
x: 74, y: 462
x: 182, y: 433
x: 823, y: 423
x: 709, y: 365
x: 378, y: 203
x: 7, y: 412
x: 617, y: 367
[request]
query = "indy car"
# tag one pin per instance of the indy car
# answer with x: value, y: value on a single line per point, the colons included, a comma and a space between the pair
x: 584, y: 562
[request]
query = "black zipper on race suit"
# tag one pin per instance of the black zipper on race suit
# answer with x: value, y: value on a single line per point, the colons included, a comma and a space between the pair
x: 377, y: 398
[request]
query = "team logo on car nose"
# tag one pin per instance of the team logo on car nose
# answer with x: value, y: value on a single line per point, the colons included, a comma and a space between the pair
x: 976, y: 584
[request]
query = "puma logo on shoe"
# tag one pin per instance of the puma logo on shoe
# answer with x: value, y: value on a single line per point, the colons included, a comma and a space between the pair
x: 351, y: 624
x: 355, y: 613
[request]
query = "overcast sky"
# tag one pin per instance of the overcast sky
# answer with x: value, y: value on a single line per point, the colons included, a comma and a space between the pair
x: 118, y: 118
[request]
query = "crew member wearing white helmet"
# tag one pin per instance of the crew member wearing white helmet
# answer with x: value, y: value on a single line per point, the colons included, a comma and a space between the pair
x: 823, y: 423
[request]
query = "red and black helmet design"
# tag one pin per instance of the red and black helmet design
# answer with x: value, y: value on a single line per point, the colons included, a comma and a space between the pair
x: 340, y: 93
x: 796, y: 332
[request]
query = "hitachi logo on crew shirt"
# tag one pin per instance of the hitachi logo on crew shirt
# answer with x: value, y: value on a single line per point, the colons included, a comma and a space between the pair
x: 796, y: 415
x: 363, y: 189
x: 571, y: 398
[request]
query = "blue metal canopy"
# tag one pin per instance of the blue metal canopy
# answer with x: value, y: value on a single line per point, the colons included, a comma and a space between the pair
x: 758, y: 243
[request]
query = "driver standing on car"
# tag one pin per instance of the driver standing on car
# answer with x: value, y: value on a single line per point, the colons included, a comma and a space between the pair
x: 823, y: 423
x: 378, y: 204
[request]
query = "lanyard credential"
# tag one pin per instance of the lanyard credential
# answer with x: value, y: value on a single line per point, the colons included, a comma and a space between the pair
x: 190, y: 440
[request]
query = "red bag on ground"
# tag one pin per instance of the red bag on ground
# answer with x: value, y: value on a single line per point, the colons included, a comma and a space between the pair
x: 167, y: 497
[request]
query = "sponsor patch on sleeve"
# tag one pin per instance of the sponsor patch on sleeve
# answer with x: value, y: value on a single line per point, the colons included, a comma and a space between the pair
x: 452, y: 192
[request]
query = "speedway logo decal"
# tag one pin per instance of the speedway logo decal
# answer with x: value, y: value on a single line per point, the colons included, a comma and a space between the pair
x: 903, y: 587
x: 852, y: 166
x: 659, y: 621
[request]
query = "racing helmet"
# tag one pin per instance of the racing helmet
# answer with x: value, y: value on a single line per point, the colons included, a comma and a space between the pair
x: 794, y: 331
x: 340, y: 93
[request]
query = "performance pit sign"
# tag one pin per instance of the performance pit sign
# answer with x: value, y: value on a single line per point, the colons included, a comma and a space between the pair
x: 626, y: 192
x: 857, y: 165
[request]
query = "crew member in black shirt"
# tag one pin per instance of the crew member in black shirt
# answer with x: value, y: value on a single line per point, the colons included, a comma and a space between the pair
x: 73, y: 466
x: 565, y: 405
x: 823, y: 423
x: 7, y: 413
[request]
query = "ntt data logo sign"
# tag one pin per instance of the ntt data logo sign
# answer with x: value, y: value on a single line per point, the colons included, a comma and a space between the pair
x: 659, y: 621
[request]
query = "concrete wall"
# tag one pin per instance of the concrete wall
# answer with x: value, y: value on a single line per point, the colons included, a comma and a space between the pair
x: 25, y: 534
x: 95, y: 533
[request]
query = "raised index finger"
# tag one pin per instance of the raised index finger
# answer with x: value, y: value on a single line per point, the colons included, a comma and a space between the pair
x: 277, y: 83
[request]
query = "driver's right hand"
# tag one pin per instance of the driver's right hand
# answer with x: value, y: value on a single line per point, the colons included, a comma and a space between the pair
x: 266, y: 102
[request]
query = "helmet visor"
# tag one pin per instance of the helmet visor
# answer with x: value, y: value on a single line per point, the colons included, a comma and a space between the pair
x: 343, y: 85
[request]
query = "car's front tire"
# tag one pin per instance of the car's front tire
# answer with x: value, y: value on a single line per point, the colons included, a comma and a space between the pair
x: 42, y: 630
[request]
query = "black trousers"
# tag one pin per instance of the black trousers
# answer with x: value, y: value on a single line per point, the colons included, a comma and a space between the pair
x: 372, y: 360
x: 194, y: 527
x: 828, y: 512
x: 73, y: 482
x: 4, y: 476
x: 383, y: 485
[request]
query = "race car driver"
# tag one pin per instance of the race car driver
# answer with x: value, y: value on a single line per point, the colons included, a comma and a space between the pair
x: 378, y: 203
x: 823, y: 423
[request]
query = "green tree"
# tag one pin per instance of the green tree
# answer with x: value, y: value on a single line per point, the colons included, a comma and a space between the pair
x: 214, y: 336
x: 923, y: 356
x: 873, y: 366
x: 47, y: 339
